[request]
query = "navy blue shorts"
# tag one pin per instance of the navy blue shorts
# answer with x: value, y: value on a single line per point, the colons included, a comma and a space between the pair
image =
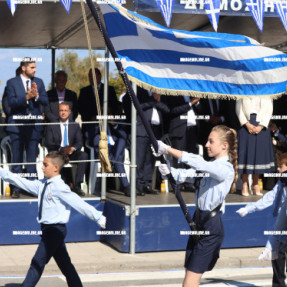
x: 203, y: 256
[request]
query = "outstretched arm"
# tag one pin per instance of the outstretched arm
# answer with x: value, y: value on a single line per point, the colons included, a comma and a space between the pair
x: 82, y: 207
x: 31, y: 186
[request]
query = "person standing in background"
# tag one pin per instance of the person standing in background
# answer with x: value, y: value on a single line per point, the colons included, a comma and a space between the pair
x: 26, y: 95
x: 255, y: 152
x: 58, y: 95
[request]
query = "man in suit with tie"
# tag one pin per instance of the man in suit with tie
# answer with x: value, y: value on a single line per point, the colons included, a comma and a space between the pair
x: 87, y: 100
x: 25, y: 96
x: 66, y: 137
x: 58, y: 95
x: 154, y: 108
x: 182, y: 128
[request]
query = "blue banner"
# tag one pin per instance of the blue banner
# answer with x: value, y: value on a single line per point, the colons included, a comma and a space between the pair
x: 227, y: 7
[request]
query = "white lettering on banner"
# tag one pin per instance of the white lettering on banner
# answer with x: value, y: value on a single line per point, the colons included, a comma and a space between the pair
x: 227, y: 5
x: 236, y: 5
x: 223, y: 5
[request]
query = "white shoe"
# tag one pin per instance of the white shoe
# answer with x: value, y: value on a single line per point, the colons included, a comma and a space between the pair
x: 102, y: 222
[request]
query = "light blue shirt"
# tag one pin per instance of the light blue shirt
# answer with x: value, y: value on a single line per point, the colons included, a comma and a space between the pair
x: 213, y: 188
x: 281, y: 227
x: 268, y: 199
x: 58, y: 198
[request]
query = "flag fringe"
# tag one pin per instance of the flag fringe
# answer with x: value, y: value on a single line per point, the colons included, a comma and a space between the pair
x: 171, y: 92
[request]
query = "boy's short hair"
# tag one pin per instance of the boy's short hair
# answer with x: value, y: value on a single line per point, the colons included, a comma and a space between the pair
x: 58, y: 158
x: 282, y: 159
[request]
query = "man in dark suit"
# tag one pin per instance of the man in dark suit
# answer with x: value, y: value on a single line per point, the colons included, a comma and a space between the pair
x: 87, y: 101
x: 153, y: 108
x: 67, y: 138
x: 25, y: 96
x: 182, y: 128
x: 58, y: 95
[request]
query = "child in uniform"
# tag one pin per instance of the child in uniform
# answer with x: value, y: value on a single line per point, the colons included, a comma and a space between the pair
x: 55, y: 200
x: 222, y: 147
x: 276, y: 197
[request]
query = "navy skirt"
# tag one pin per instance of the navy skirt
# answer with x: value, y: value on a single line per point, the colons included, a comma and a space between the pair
x: 202, y: 257
x: 255, y: 152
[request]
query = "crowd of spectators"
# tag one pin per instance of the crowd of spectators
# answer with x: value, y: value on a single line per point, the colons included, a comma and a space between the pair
x: 185, y: 121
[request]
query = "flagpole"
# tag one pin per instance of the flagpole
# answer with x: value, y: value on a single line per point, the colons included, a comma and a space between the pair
x: 137, y: 105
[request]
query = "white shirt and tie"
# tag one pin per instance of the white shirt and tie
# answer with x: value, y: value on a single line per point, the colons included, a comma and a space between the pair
x: 155, y: 116
x: 64, y: 133
x: 191, y: 118
x: 27, y: 83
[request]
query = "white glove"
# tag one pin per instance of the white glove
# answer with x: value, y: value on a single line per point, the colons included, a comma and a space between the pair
x: 242, y: 211
x: 164, y: 168
x: 266, y: 255
x: 102, y: 222
x: 162, y: 149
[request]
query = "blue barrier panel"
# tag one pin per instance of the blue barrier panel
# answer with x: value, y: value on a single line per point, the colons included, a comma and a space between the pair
x: 246, y: 231
x: 158, y: 228
x: 117, y: 221
x: 18, y: 223
x: 162, y: 228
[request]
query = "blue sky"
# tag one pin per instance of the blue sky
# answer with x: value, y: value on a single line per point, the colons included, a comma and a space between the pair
x: 9, y: 63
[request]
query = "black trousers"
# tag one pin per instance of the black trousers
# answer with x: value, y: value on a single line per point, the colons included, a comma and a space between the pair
x: 278, y: 266
x: 81, y: 166
x: 52, y: 245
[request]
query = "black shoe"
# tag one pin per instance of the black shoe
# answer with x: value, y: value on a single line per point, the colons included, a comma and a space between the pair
x: 78, y: 191
x: 140, y: 192
x: 127, y: 191
x: 149, y: 190
x: 15, y: 194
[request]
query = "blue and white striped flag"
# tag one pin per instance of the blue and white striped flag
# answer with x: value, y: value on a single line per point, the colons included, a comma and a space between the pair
x: 212, y: 9
x: 177, y: 62
x: 257, y: 8
x: 67, y: 4
x: 281, y: 7
x: 12, y: 5
x: 165, y: 7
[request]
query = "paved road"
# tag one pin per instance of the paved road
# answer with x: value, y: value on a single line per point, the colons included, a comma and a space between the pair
x: 239, y: 277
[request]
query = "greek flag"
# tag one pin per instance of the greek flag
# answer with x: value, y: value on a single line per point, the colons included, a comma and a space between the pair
x: 12, y: 5
x: 257, y: 8
x: 165, y: 7
x: 212, y: 9
x: 281, y: 7
x: 174, y: 62
x: 67, y: 4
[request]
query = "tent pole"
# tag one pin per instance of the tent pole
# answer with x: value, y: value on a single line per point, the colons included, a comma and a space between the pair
x: 133, y: 175
x: 53, y: 50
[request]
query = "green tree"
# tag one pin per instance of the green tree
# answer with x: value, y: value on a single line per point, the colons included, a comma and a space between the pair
x: 78, y: 69
x: 117, y: 82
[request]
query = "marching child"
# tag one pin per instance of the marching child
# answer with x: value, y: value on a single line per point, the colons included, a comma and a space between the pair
x: 55, y: 200
x: 276, y: 197
x: 222, y: 170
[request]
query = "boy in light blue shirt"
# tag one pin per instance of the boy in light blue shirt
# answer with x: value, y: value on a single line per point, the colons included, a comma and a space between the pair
x: 55, y: 200
x: 276, y: 197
